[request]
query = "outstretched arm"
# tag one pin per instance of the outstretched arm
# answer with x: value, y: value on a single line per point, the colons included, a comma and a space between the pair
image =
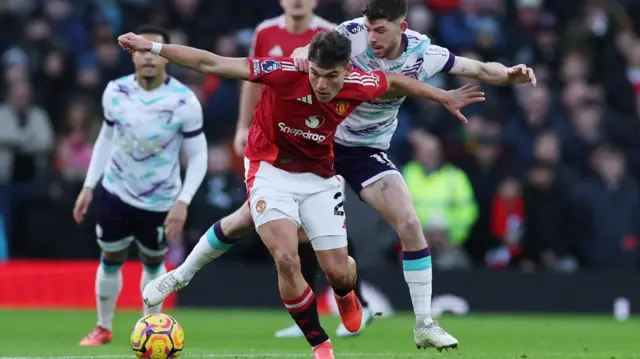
x: 195, y: 59
x: 492, y: 73
x: 452, y: 100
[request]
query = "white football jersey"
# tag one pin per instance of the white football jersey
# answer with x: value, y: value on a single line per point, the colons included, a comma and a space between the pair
x: 373, y: 123
x: 149, y: 127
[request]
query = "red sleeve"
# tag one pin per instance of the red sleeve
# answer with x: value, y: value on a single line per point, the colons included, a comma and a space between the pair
x: 273, y: 71
x: 366, y: 86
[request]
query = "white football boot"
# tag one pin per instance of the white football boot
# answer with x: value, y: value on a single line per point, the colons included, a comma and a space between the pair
x: 432, y: 336
x: 291, y: 332
x: 160, y: 288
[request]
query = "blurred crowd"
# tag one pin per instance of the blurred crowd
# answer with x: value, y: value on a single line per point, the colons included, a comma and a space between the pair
x: 543, y: 177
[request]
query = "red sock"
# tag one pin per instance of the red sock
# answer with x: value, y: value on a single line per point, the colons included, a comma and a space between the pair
x: 304, y: 311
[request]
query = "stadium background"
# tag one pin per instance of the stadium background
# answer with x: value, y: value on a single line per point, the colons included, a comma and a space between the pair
x: 553, y: 225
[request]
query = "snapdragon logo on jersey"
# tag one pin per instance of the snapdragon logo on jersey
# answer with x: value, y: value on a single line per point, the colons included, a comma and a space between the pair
x: 314, y: 121
x: 270, y: 65
x: 311, y: 122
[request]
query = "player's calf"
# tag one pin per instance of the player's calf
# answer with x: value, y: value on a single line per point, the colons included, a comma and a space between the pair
x: 216, y: 241
x: 211, y: 245
x: 108, y: 287
x: 153, y: 267
x: 341, y: 272
x: 280, y: 237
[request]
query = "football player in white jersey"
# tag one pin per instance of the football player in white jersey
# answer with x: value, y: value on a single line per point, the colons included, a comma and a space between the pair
x: 380, y: 41
x: 148, y: 118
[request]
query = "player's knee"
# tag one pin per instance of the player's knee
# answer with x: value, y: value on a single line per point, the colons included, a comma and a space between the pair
x: 152, y: 264
x: 287, y: 262
x: 112, y: 261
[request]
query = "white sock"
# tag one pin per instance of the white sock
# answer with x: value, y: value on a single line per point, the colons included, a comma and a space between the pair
x: 108, y: 286
x: 419, y: 276
x: 208, y: 248
x: 148, y: 276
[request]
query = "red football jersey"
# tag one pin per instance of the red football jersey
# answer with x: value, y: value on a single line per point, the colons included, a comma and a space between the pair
x: 272, y: 39
x: 292, y: 129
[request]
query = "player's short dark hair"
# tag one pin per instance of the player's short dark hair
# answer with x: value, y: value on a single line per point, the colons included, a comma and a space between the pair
x: 390, y: 10
x: 329, y: 50
x: 154, y: 30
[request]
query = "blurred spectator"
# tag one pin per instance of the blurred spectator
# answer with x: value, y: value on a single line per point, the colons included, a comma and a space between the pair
x: 443, y: 199
x: 507, y: 223
x: 485, y: 172
x: 547, y: 241
x: 538, y: 115
x: 74, y: 148
x: 26, y: 139
x: 605, y: 213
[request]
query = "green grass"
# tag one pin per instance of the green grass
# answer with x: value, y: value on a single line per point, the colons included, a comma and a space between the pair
x: 249, y: 334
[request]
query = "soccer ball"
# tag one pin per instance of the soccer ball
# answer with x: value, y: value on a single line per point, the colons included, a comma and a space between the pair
x: 157, y: 336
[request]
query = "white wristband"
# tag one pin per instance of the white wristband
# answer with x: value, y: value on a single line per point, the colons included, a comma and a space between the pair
x: 156, y: 47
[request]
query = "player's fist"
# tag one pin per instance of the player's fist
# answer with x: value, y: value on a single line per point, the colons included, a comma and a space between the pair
x: 131, y: 42
x: 521, y: 74
x: 82, y: 204
x: 240, y: 141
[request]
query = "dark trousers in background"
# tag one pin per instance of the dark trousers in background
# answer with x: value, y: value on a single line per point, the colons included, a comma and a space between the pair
x: 13, y: 198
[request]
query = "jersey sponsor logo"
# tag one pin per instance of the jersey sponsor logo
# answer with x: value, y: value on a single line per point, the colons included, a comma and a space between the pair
x: 261, y: 205
x: 354, y: 27
x: 270, y: 65
x: 314, y: 121
x: 298, y: 132
x: 256, y: 67
x: 341, y: 107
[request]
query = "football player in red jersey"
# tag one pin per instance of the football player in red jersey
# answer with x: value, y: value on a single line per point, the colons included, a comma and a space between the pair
x: 279, y: 36
x: 290, y: 176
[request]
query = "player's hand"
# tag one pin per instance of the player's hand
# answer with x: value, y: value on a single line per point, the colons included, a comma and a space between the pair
x: 301, y: 59
x: 521, y: 74
x: 240, y: 141
x: 131, y: 43
x: 464, y: 96
x: 82, y: 204
x: 174, y: 222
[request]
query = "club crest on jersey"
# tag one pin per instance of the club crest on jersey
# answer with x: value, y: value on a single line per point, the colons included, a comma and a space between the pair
x: 261, y: 205
x: 341, y: 107
x: 314, y: 121
x: 270, y: 65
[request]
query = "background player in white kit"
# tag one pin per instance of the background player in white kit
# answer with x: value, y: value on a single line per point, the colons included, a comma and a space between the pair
x: 149, y: 117
x: 381, y: 41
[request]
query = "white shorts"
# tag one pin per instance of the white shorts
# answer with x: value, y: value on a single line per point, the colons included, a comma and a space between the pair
x: 312, y: 202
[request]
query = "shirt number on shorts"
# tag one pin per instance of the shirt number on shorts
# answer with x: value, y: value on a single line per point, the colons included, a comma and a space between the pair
x: 337, y: 210
x: 383, y: 158
x: 161, y: 237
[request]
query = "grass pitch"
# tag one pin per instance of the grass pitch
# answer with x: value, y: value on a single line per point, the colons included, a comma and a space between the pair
x: 249, y: 335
